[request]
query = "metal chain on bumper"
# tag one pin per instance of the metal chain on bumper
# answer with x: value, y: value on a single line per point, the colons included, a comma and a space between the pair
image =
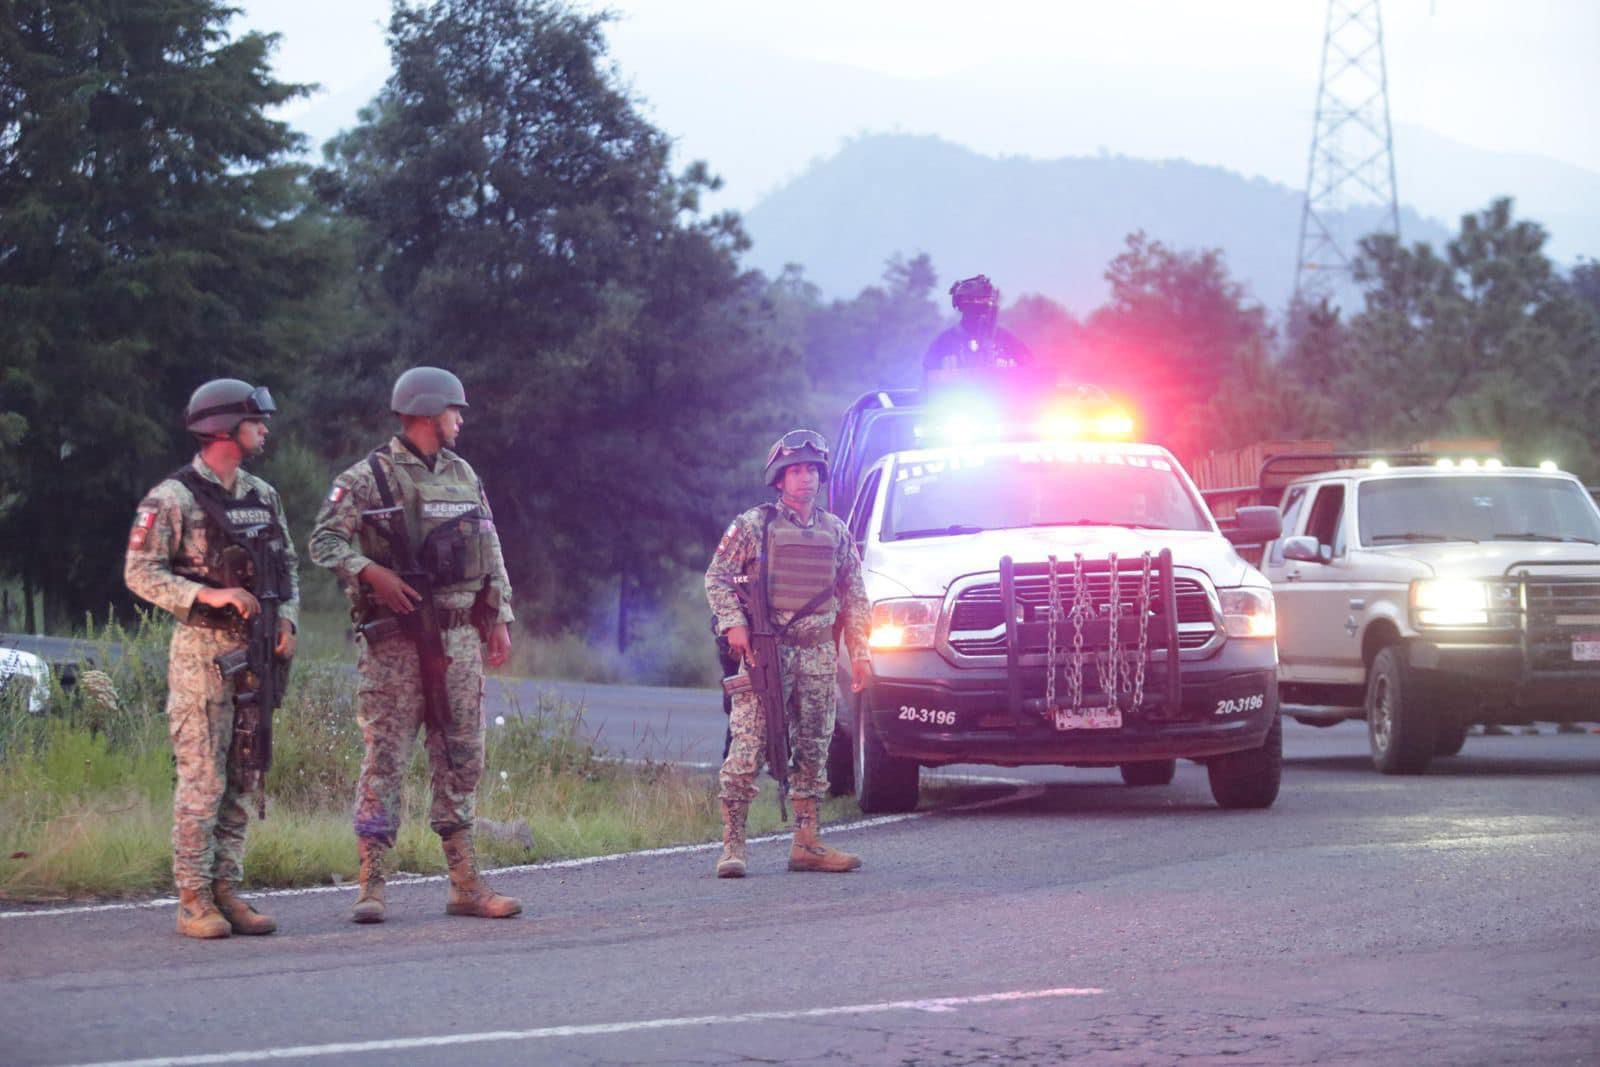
x: 1135, y: 683
x: 1108, y: 666
x: 1082, y: 608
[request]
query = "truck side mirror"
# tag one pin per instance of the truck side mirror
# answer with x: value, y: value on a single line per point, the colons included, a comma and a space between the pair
x: 1254, y: 526
x: 1302, y: 550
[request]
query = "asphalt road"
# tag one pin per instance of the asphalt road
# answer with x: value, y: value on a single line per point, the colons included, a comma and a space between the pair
x: 639, y: 722
x: 1452, y: 918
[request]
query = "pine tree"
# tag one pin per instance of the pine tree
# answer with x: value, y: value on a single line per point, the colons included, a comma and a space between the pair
x: 523, y: 228
x: 151, y: 238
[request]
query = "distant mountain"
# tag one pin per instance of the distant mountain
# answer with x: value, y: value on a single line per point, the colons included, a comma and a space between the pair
x: 1034, y: 226
x: 1447, y: 178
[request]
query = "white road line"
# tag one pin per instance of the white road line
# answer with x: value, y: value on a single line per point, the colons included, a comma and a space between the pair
x: 349, y: 1048
x: 551, y: 865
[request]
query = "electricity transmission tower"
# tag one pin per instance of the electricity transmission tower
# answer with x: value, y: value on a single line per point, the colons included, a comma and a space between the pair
x: 1352, y: 152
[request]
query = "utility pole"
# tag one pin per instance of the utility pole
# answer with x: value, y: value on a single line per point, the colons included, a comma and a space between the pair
x: 1352, y: 151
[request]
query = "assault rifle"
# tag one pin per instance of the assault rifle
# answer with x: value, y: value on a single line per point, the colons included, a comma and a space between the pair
x: 421, y: 625
x: 259, y: 677
x: 764, y: 677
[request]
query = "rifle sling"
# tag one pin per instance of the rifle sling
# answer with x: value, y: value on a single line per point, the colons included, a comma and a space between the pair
x: 399, y: 540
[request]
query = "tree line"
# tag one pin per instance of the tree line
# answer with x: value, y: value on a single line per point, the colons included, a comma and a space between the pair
x: 502, y: 208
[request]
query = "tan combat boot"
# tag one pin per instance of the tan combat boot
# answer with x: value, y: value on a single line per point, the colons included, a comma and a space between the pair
x: 198, y: 915
x: 469, y: 894
x: 808, y: 853
x: 241, y: 916
x: 731, y: 865
x: 369, y: 903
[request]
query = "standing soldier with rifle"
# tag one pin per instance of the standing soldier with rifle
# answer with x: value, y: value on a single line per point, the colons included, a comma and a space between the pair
x: 210, y: 545
x: 409, y: 533
x: 783, y: 583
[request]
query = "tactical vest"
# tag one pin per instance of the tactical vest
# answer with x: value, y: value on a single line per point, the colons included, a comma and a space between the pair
x: 802, y: 564
x: 454, y: 538
x: 244, y: 541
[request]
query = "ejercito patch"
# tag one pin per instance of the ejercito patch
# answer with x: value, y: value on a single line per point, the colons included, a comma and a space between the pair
x: 249, y: 516
x: 446, y: 509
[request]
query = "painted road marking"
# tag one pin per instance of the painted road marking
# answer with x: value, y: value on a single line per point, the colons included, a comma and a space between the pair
x: 1022, y: 793
x: 351, y: 1048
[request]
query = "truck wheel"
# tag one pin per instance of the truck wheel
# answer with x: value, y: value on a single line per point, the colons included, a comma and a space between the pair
x: 1149, y: 772
x: 1448, y: 737
x: 1400, y: 722
x: 841, y: 764
x: 1249, y: 779
x: 883, y: 783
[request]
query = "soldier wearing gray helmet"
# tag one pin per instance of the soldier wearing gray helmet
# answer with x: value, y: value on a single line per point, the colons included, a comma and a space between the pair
x: 816, y: 595
x: 415, y: 503
x: 177, y: 560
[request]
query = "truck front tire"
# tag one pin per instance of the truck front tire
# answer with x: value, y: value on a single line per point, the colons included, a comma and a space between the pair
x: 1400, y: 717
x: 883, y: 782
x: 1249, y: 779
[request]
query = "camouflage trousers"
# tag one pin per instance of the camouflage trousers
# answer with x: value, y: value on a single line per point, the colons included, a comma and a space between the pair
x: 208, y: 804
x: 389, y: 709
x: 811, y: 689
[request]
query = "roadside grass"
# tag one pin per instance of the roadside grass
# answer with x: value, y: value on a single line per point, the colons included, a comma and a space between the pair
x: 86, y: 789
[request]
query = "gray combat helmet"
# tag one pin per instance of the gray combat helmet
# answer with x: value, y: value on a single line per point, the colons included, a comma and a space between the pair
x: 219, y: 406
x: 427, y: 391
x: 796, y: 446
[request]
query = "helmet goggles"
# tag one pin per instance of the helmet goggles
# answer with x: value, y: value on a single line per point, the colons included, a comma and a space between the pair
x: 258, y: 405
x: 797, y: 446
x: 798, y: 441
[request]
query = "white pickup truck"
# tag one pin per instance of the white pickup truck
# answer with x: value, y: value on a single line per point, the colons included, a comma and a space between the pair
x: 1428, y: 594
x: 1054, y: 602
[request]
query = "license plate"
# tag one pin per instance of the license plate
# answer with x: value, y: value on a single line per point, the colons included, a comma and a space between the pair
x: 1088, y: 719
x: 1586, y: 647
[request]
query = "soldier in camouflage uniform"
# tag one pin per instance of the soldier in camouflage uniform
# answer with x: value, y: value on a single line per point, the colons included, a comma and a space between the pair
x: 812, y: 563
x: 174, y: 562
x: 450, y: 530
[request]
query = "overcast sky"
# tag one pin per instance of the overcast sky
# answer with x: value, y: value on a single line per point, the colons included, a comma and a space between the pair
x: 1141, y: 77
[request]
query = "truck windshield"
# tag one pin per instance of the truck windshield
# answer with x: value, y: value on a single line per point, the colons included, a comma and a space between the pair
x: 1475, y: 508
x: 1048, y: 487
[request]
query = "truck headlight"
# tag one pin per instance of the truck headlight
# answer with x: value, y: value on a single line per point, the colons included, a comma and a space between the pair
x: 1248, y: 612
x: 1449, y: 602
x: 907, y: 622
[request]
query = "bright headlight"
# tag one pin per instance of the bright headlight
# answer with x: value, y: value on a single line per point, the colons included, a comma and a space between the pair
x: 1248, y: 612
x: 1450, y: 602
x: 907, y: 622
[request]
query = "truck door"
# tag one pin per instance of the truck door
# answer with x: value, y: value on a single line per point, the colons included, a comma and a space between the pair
x: 1313, y: 598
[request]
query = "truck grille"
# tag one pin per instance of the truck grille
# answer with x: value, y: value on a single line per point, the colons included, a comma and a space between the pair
x: 977, y: 626
x: 1557, y: 610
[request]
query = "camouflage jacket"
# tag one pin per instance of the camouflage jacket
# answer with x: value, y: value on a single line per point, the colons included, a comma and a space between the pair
x: 343, y: 535
x: 741, y: 544
x: 168, y: 541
